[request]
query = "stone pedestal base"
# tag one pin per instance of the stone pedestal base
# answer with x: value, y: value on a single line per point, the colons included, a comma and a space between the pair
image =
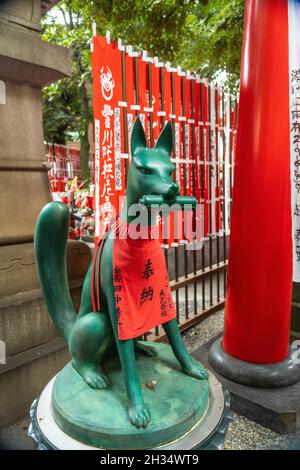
x: 186, y: 413
x: 279, y: 374
x: 275, y: 408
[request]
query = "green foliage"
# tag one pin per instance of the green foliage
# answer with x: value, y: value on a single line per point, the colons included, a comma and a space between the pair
x: 67, y: 109
x: 215, y: 41
x: 157, y: 26
x: 63, y: 99
x: 201, y: 35
x: 61, y: 112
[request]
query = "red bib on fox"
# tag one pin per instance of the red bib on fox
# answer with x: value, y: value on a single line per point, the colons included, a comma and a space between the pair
x: 143, y: 298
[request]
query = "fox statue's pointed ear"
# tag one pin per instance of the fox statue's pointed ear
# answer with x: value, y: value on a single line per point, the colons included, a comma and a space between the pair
x: 138, y: 137
x: 165, y: 139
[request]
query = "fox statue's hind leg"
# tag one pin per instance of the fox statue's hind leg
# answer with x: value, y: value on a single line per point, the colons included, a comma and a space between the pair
x: 90, y: 340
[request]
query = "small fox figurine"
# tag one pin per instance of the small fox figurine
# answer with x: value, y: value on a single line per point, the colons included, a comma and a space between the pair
x: 101, y: 327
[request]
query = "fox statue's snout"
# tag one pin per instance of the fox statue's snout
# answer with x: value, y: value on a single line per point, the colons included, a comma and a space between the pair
x: 166, y: 190
x: 171, y: 192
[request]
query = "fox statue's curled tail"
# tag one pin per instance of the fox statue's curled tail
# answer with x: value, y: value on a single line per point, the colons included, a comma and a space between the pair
x: 50, y: 243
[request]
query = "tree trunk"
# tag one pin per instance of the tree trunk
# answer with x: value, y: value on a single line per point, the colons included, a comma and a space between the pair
x: 84, y: 136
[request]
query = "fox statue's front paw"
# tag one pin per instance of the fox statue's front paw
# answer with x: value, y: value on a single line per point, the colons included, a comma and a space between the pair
x: 91, y: 374
x: 194, y: 369
x: 139, y: 415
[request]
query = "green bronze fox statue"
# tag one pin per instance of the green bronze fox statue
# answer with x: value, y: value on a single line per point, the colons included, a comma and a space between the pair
x: 93, y: 336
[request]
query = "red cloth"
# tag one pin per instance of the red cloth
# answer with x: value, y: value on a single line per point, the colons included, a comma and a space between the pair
x: 78, y: 202
x: 143, y: 296
x: 89, y: 201
x: 65, y: 200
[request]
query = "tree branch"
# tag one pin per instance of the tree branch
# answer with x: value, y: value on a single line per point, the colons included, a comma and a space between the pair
x: 64, y: 16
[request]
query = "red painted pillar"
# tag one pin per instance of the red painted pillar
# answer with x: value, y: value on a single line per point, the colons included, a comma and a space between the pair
x: 258, y: 299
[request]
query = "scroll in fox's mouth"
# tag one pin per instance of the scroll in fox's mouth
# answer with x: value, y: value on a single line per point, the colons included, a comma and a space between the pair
x: 159, y: 199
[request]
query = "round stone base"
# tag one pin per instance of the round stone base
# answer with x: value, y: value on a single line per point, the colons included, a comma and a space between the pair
x: 186, y: 413
x: 279, y: 374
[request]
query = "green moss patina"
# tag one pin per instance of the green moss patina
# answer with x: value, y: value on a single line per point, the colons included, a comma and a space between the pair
x: 99, y: 418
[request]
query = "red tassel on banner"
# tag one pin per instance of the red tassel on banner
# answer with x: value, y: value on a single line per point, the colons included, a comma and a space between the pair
x: 130, y: 96
x: 167, y: 93
x: 187, y: 152
x: 204, y: 156
x: 156, y: 100
x: 178, y: 153
x: 197, y: 141
x: 167, y: 110
x: 218, y: 192
x: 143, y: 95
x: 124, y: 133
x: 177, y: 101
x: 187, y: 134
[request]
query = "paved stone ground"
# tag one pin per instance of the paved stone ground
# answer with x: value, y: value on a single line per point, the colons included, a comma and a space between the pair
x: 243, y: 434
x: 15, y: 437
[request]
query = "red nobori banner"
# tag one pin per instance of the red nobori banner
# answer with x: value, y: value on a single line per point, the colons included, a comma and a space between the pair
x: 187, y: 133
x: 204, y: 149
x: 158, y: 113
x: 178, y: 148
x: 144, y: 95
x: 128, y: 83
x: 107, y: 83
x: 131, y: 94
x: 197, y: 141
